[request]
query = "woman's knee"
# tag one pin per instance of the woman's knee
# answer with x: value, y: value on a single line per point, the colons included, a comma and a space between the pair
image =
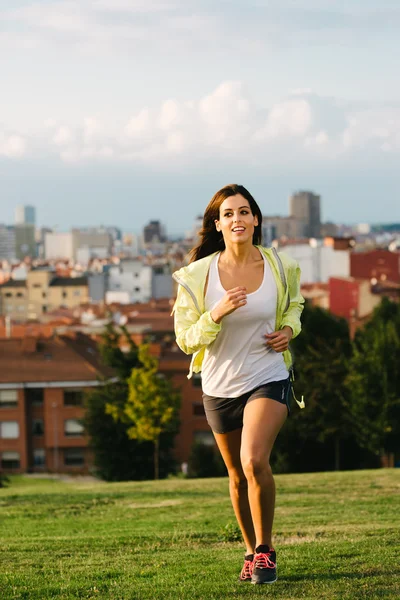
x: 237, y: 479
x: 255, y: 467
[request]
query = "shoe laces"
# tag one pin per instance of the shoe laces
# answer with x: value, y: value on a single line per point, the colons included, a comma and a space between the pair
x: 263, y: 560
x: 247, y: 569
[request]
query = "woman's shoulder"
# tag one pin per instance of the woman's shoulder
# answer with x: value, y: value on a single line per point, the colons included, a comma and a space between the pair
x: 196, y: 269
x: 287, y: 261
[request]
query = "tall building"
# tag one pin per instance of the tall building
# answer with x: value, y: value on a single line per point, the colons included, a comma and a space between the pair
x: 306, y: 207
x: 25, y: 215
x: 7, y: 242
x: 154, y: 232
x: 25, y: 243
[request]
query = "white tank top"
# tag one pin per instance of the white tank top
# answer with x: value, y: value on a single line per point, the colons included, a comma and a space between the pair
x: 238, y: 360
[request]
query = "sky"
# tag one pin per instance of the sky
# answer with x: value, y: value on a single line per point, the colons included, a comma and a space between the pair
x: 116, y: 112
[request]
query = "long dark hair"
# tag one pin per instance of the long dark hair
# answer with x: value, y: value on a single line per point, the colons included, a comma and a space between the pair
x: 211, y: 240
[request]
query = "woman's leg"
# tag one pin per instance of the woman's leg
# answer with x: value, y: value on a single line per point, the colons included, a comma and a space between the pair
x: 262, y: 421
x: 229, y: 446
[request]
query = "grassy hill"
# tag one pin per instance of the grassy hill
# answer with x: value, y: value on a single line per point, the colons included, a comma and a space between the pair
x: 337, y: 536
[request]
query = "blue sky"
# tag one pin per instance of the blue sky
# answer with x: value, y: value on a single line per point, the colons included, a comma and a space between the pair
x: 121, y: 111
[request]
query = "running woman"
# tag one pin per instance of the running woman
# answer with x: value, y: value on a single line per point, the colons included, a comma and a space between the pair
x: 238, y: 306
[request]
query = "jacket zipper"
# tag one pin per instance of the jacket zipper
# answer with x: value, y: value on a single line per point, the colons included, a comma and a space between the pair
x: 189, y: 291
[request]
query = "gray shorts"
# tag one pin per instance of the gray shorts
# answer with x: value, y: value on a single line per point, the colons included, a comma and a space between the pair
x: 226, y: 414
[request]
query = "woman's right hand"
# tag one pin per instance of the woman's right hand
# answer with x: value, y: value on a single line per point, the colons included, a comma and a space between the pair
x: 233, y: 299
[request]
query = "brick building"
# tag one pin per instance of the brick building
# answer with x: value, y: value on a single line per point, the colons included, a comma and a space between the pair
x: 42, y: 383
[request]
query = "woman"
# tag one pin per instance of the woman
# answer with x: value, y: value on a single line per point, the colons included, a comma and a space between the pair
x: 237, y: 308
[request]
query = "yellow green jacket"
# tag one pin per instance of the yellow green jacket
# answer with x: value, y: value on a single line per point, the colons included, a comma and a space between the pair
x: 194, y: 327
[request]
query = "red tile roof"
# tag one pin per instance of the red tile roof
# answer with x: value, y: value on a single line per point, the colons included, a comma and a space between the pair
x: 50, y: 360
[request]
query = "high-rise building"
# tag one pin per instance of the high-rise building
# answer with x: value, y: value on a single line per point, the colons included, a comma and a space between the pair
x: 7, y: 242
x: 306, y: 207
x: 25, y: 243
x: 154, y: 232
x: 25, y: 215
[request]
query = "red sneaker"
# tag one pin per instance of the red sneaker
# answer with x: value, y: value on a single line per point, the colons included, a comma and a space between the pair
x: 247, y: 569
x: 264, y: 566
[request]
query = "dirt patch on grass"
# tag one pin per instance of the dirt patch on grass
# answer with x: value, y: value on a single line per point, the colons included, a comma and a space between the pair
x: 162, y: 504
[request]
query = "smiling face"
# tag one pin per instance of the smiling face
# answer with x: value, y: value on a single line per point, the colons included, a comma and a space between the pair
x: 236, y: 221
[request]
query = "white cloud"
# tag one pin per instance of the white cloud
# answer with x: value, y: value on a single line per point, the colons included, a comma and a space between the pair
x: 169, y: 115
x: 287, y: 119
x: 12, y: 146
x: 63, y: 136
x: 139, y: 124
x: 224, y: 124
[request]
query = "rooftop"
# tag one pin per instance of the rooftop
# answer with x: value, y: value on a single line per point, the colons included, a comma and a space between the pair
x: 41, y: 360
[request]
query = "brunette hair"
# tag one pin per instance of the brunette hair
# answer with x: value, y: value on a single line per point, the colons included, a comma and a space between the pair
x: 211, y: 240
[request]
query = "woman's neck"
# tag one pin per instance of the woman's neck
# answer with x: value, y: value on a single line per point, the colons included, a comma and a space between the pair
x: 238, y: 255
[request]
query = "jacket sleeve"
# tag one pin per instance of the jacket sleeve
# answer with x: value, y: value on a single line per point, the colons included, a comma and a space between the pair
x: 193, y: 330
x: 291, y: 317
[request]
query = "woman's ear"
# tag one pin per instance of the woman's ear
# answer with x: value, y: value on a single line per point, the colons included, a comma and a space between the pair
x: 255, y: 221
x: 217, y: 226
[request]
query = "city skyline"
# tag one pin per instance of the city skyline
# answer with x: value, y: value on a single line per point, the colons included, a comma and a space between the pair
x: 132, y: 111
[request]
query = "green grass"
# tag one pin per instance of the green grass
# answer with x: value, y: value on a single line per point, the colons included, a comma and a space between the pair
x: 336, y: 534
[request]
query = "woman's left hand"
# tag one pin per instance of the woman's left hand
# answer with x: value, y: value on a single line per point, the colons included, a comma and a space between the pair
x: 279, y: 340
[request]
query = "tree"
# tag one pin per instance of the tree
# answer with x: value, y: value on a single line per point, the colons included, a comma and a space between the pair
x: 374, y: 380
x: 3, y: 480
x: 117, y: 456
x: 322, y: 354
x: 151, y: 408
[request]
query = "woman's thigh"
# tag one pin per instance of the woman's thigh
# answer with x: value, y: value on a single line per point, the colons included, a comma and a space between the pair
x: 229, y: 447
x: 263, y: 418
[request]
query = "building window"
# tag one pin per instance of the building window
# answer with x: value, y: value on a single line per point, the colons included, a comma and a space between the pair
x: 39, y: 457
x: 9, y: 430
x: 204, y: 437
x: 37, y: 427
x: 8, y: 294
x: 34, y: 396
x: 37, y: 285
x: 198, y: 409
x: 20, y: 295
x: 196, y: 380
x: 44, y: 295
x: 73, y: 428
x: 10, y: 460
x: 73, y: 397
x: 64, y: 294
x: 137, y: 289
x: 44, y: 308
x: 8, y: 398
x: 74, y: 457
x: 158, y: 270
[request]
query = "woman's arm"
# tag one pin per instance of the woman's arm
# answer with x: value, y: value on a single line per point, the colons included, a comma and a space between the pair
x: 193, y: 330
x: 291, y: 318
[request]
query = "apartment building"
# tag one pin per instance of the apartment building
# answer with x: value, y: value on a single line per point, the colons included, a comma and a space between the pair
x: 41, y: 292
x: 42, y: 385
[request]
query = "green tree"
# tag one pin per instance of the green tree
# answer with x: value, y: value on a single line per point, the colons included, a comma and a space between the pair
x: 322, y: 353
x: 205, y: 461
x: 117, y: 456
x: 374, y: 380
x: 152, y: 406
x: 3, y: 480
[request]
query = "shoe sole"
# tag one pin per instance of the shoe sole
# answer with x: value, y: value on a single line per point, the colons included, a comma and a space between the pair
x: 262, y: 582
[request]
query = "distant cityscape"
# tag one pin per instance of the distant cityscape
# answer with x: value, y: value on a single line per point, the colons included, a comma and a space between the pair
x: 59, y: 290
